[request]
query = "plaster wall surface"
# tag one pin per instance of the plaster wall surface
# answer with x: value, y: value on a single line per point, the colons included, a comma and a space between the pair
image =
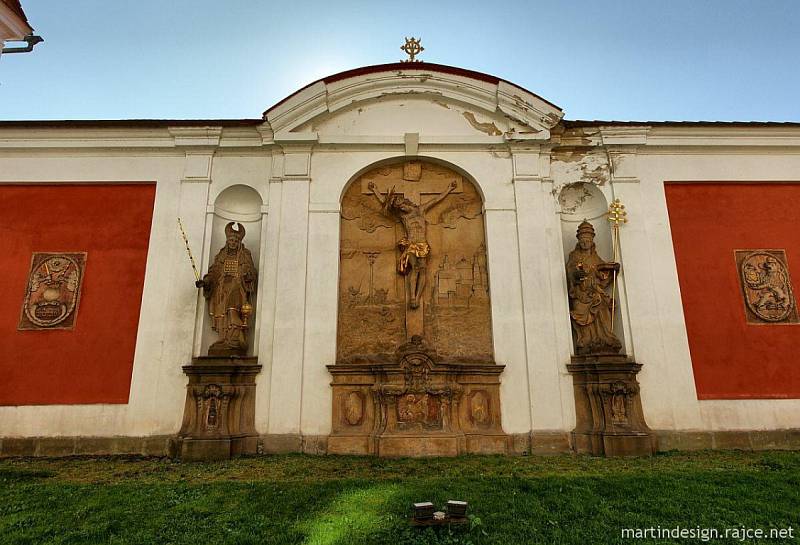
x: 300, y: 162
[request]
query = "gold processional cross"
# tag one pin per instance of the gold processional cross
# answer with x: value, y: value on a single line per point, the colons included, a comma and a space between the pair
x: 616, y: 215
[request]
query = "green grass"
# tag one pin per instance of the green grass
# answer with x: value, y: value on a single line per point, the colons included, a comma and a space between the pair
x: 343, y: 500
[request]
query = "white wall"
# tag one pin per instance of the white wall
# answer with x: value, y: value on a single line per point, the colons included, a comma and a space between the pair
x: 300, y: 178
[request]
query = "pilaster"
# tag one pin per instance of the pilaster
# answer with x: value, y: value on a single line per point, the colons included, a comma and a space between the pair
x: 286, y: 377
x: 536, y: 222
x: 508, y: 317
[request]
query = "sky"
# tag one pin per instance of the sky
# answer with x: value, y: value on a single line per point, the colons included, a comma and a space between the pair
x: 645, y: 60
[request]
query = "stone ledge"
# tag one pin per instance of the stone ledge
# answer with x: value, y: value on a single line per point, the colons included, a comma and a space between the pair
x: 550, y: 442
x: 153, y: 445
x: 280, y: 443
x: 785, y: 439
x: 536, y: 443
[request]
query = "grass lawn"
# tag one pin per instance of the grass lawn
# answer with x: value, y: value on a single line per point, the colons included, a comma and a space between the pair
x: 342, y: 500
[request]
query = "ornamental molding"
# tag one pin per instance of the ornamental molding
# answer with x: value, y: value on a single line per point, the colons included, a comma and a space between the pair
x: 531, y: 117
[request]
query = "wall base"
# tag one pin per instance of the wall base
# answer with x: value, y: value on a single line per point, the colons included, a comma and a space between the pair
x: 154, y: 445
x: 521, y: 444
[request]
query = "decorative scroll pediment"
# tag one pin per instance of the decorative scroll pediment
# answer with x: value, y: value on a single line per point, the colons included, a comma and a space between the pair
x: 429, y: 100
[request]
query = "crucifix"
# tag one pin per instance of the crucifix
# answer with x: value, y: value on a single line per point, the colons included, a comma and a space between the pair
x: 404, y: 201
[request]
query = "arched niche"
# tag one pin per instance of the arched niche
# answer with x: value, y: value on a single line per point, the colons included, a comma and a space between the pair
x: 241, y: 204
x: 374, y: 315
x: 584, y: 201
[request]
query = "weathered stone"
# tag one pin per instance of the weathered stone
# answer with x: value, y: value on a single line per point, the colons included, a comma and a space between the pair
x: 281, y: 443
x: 315, y: 444
x: 487, y: 444
x: 95, y: 445
x: 55, y: 446
x: 128, y: 445
x: 684, y: 440
x: 543, y: 443
x: 19, y: 446
x: 396, y: 446
x: 219, y: 413
x: 520, y: 444
x: 229, y: 285
x: 793, y: 439
x: 591, y: 308
x: 415, y: 372
x: 156, y: 445
x: 739, y: 440
x: 201, y: 450
x: 457, y: 405
x: 608, y: 408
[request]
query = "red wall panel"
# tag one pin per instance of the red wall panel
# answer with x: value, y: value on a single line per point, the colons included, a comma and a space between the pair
x: 93, y: 362
x: 730, y: 358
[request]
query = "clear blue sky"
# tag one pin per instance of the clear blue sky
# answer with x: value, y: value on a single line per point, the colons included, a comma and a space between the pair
x: 599, y: 59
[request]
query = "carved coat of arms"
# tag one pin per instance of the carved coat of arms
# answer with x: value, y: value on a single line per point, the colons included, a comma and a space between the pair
x: 766, y: 286
x: 53, y: 291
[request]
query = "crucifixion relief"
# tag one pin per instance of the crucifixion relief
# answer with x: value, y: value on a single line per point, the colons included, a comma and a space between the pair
x: 413, y: 262
x: 414, y: 246
x: 414, y: 306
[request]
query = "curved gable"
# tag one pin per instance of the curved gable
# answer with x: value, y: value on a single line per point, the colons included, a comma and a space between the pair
x: 444, y: 100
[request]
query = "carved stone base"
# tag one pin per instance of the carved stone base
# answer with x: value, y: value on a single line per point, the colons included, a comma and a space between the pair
x: 608, y: 409
x: 416, y: 407
x: 219, y: 415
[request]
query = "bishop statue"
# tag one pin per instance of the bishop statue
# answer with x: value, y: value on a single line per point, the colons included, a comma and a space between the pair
x: 228, y: 286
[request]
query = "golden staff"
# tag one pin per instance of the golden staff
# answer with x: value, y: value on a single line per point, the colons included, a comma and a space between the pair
x: 616, y: 215
x: 188, y: 250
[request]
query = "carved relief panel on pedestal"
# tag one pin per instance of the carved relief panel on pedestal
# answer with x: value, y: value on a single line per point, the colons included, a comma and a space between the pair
x: 415, y: 373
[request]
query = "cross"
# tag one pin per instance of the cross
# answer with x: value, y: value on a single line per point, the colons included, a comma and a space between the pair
x: 411, y: 189
x: 413, y: 47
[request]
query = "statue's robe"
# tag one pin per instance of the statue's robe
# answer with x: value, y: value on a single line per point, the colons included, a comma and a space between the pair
x: 231, y: 280
x: 590, y: 306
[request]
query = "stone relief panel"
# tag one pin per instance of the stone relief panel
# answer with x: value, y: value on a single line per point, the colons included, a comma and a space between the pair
x: 479, y: 408
x: 413, y: 262
x: 53, y: 291
x: 766, y: 287
x: 353, y: 408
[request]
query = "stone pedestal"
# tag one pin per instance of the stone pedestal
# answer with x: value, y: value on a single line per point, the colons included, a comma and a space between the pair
x: 219, y: 415
x: 416, y: 407
x: 608, y: 409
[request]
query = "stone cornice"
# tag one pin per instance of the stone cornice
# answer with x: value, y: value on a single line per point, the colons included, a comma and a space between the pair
x: 639, y: 139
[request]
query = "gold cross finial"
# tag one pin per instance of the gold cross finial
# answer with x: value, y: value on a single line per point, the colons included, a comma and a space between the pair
x: 413, y: 47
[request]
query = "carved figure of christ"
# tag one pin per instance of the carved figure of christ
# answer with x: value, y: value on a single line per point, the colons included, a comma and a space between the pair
x: 414, y: 246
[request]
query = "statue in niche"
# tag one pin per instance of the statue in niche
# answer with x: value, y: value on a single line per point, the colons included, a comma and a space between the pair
x: 588, y: 277
x: 228, y: 286
x: 414, y: 247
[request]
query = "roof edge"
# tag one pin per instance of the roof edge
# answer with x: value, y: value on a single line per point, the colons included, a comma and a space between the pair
x: 131, y: 123
x: 249, y: 122
x: 576, y: 123
x: 372, y: 69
